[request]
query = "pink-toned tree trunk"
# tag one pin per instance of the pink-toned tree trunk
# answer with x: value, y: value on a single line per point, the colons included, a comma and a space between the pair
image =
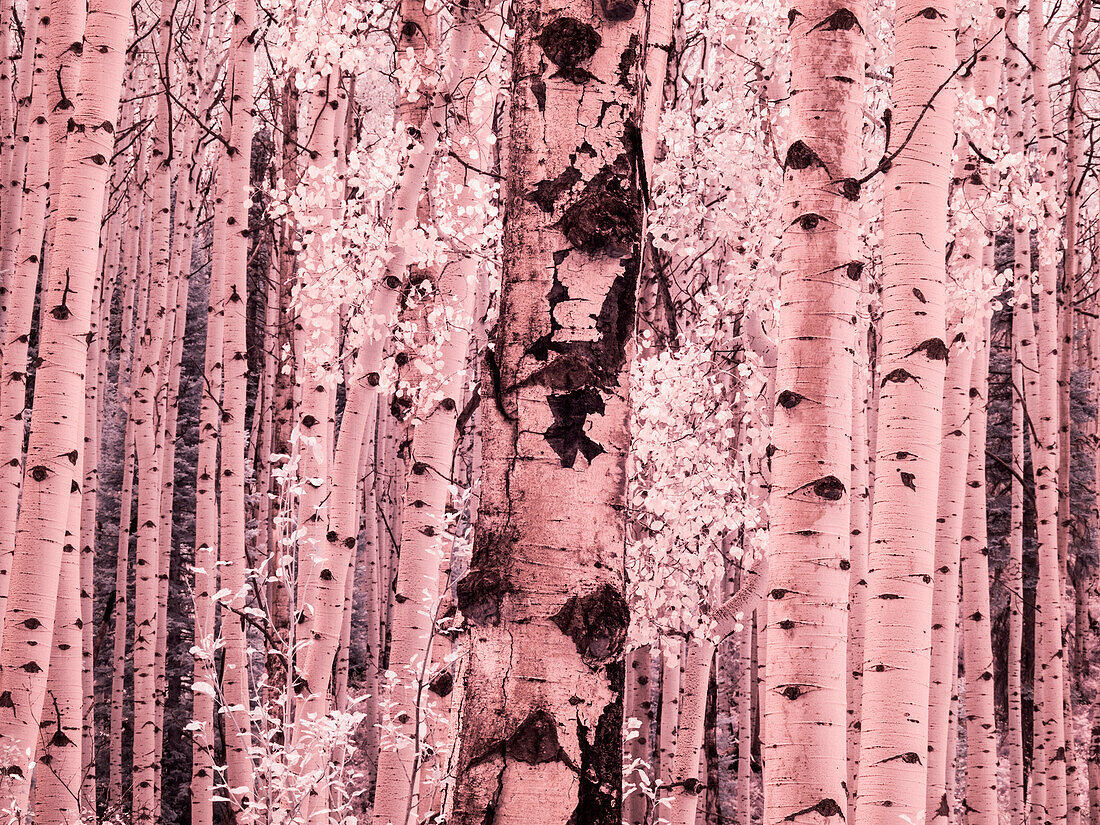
x: 207, y: 542
x: 147, y: 408
x: 57, y: 784
x: 546, y: 571
x: 981, y: 734
x: 21, y: 283
x: 945, y: 598
x: 910, y: 371
x: 236, y: 195
x: 1050, y: 730
x: 805, y: 765
x: 56, y: 434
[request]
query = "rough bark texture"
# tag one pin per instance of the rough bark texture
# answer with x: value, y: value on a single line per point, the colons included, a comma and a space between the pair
x: 544, y: 596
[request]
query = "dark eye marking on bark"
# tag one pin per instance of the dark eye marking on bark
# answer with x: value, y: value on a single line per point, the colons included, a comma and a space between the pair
x: 854, y: 270
x: 39, y: 473
x: 829, y: 488
x: 919, y: 296
x: 568, y: 42
x: 479, y: 595
x: 934, y: 348
x: 824, y: 807
x: 898, y: 376
x: 840, y: 20
x: 597, y: 623
x: 442, y: 683
x: 909, y: 480
x: 800, y: 156
x: 909, y: 758
x: 5, y: 700
x: 618, y: 10
x: 850, y: 187
x: 789, y: 399
x: 930, y: 13
x: 792, y: 15
x: 810, y: 221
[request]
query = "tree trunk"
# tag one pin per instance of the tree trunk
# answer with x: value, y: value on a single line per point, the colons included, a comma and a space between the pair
x: 546, y: 572
x: 20, y: 285
x: 945, y: 599
x: 56, y: 435
x: 236, y: 196
x: 912, y: 363
x: 805, y: 768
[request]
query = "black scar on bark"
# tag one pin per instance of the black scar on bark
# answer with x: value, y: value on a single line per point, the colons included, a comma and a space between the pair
x: 599, y: 798
x: 597, y: 623
x: 909, y: 480
x: 568, y: 42
x: 840, y: 20
x: 789, y: 399
x: 909, y: 758
x: 442, y: 684
x: 546, y: 192
x: 606, y: 218
x: 943, y: 809
x: 825, y: 807
x: 618, y: 10
x: 898, y: 376
x: 538, y: 89
x: 800, y: 156
x: 934, y: 348
x: 829, y: 488
x: 566, y: 435
x: 627, y: 62
x: 479, y: 595
x: 535, y: 741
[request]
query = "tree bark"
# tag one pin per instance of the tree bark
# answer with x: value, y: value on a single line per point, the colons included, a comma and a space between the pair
x: 56, y: 434
x: 547, y: 567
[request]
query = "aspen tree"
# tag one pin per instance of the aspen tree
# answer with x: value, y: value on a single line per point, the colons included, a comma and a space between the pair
x: 1023, y: 340
x: 857, y: 585
x: 11, y: 197
x: 981, y: 735
x: 810, y: 505
x: 912, y: 354
x: 413, y: 635
x: 637, y: 750
x: 236, y: 195
x: 56, y: 435
x: 970, y: 250
x: 21, y: 285
x: 1048, y: 634
x: 671, y: 654
x: 945, y: 599
x: 696, y: 679
x: 147, y: 403
x: 58, y: 773
x: 122, y: 601
x: 207, y: 542
x: 546, y: 572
